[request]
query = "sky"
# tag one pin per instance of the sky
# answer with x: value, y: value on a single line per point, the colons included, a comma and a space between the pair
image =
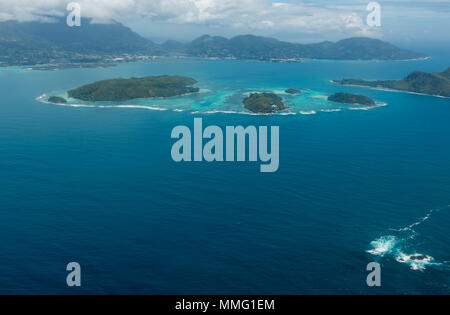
x: 291, y: 20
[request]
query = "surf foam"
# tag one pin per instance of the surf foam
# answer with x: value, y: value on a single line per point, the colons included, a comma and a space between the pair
x: 400, y: 247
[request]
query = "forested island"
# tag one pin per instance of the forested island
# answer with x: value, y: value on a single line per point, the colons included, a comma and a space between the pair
x: 57, y: 100
x: 264, y: 103
x: 117, y: 90
x: 437, y: 84
x: 347, y: 98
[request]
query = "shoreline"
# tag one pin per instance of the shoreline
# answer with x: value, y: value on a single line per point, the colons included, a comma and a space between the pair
x: 388, y: 90
x: 69, y: 65
x: 287, y: 112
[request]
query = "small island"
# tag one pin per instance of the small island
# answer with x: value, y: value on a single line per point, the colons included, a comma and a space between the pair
x: 347, y: 98
x: 117, y: 90
x: 264, y: 103
x: 57, y: 100
x: 436, y: 84
x: 293, y: 91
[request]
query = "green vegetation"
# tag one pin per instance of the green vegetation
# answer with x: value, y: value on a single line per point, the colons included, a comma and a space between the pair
x: 264, y: 103
x: 128, y: 89
x: 347, y: 98
x: 57, y: 100
x: 293, y: 91
x: 265, y: 48
x: 31, y: 43
x: 418, y: 82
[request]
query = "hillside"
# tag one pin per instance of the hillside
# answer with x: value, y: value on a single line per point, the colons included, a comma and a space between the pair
x: 127, y: 89
x: 31, y: 43
x: 418, y: 82
x: 264, y: 48
x: 37, y: 43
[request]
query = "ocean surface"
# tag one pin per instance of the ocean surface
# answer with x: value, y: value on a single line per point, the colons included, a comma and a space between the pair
x: 96, y: 184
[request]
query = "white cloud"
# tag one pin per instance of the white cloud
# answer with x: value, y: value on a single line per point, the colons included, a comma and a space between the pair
x: 318, y: 17
x: 244, y: 14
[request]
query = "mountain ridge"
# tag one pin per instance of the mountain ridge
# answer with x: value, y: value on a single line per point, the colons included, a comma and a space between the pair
x: 31, y: 43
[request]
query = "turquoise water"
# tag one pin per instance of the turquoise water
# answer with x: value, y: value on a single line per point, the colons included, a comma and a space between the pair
x: 96, y: 184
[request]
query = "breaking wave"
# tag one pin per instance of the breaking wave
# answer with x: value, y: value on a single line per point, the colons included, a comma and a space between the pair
x: 311, y: 112
x: 293, y: 111
x: 369, y: 107
x: 399, y: 246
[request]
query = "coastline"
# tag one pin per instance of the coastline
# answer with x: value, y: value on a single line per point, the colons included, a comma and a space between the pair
x: 75, y: 65
x: 388, y: 90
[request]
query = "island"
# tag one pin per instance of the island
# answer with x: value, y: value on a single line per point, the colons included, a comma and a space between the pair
x: 118, y: 90
x: 436, y: 84
x: 347, y: 98
x: 34, y: 43
x: 57, y: 100
x: 293, y: 91
x: 264, y: 103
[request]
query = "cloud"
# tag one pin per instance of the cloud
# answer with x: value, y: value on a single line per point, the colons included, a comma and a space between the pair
x: 240, y: 14
x: 348, y: 17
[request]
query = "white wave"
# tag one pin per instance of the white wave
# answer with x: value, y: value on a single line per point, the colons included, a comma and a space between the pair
x: 74, y: 105
x: 132, y: 106
x: 362, y: 108
x: 331, y: 110
x: 208, y: 112
x: 43, y: 99
x: 383, y: 245
x: 422, y: 220
x: 286, y: 113
x: 379, y: 104
x: 311, y: 112
x: 415, y: 261
x: 397, y: 246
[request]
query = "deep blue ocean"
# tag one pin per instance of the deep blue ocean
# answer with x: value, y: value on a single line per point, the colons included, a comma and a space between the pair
x: 97, y: 185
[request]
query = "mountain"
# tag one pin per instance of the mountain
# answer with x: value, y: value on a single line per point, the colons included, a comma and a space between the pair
x: 418, y: 82
x: 31, y: 43
x: 36, y: 43
x: 265, y: 48
x: 173, y: 46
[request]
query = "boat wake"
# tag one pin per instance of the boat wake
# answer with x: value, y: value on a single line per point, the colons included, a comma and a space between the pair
x: 399, y: 245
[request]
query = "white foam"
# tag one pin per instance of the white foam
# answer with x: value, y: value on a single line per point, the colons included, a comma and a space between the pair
x: 132, y: 106
x: 379, y: 104
x: 383, y: 245
x: 219, y: 112
x: 311, y: 112
x: 331, y: 110
x: 398, y: 246
x: 286, y: 113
